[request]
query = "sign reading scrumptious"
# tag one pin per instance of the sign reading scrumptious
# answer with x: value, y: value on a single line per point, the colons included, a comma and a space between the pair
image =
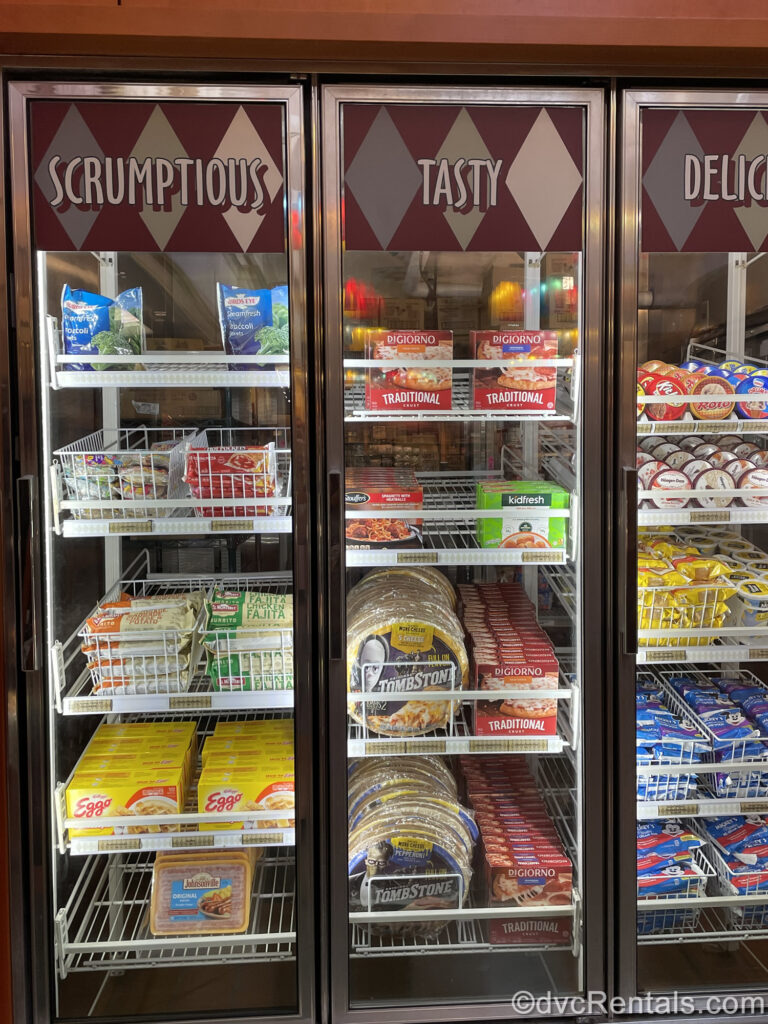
x: 704, y: 180
x: 153, y: 177
x: 472, y: 178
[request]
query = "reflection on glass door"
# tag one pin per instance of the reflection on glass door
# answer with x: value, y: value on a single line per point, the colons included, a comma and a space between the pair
x: 168, y: 316
x: 457, y: 310
x: 702, y: 413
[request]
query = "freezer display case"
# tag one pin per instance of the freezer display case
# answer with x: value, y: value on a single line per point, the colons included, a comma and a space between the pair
x: 695, y: 347
x: 166, y: 587
x: 463, y: 429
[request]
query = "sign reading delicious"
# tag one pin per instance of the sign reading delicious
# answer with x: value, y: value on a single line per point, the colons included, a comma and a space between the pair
x: 704, y: 180
x: 148, y: 177
x: 446, y: 178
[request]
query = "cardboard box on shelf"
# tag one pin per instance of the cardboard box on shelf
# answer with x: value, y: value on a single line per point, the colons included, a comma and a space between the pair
x: 173, y: 405
x: 403, y: 314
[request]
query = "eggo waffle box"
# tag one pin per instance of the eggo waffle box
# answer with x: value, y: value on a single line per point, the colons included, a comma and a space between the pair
x: 408, y: 387
x: 137, y: 791
x: 521, y: 524
x: 517, y: 385
x: 268, y: 785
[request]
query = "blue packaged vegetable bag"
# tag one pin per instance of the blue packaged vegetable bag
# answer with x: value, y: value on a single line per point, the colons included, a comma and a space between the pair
x: 95, y: 325
x: 243, y: 314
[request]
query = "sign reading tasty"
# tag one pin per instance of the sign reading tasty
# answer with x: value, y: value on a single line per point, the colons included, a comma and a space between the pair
x: 152, y: 177
x: 452, y: 177
x: 704, y: 180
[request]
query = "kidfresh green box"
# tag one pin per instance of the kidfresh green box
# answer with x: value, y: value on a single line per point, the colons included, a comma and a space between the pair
x: 521, y: 524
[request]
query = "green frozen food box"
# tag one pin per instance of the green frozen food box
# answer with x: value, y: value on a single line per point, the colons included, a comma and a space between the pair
x: 521, y: 524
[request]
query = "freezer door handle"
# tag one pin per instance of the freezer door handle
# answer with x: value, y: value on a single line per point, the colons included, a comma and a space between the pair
x: 336, y: 616
x: 29, y: 577
x: 629, y: 487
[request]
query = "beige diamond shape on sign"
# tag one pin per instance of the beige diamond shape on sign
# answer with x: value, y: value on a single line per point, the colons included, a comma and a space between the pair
x: 543, y: 179
x: 464, y: 141
x: 754, y: 218
x: 242, y: 141
x: 158, y: 139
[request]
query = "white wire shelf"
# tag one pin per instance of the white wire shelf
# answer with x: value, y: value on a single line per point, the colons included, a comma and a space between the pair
x: 453, y: 540
x: 459, y: 936
x: 713, y: 924
x: 188, y: 833
x: 563, y: 583
x: 689, y: 516
x: 104, y: 924
x: 705, y: 807
x: 118, y: 483
x: 164, y: 369
x: 77, y: 690
x: 461, y: 411
x: 721, y: 652
x: 688, y: 425
x: 457, y: 737
x: 79, y: 700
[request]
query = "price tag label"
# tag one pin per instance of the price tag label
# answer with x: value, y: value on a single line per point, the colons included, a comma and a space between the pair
x: 677, y: 810
x: 720, y: 427
x: 759, y: 807
x: 417, y: 558
x: 540, y: 556
x: 232, y: 526
x: 262, y: 838
x: 88, y: 705
x: 644, y: 428
x: 132, y: 526
x: 427, y: 747
x: 758, y: 653
x: 676, y: 428
x: 119, y: 845
x: 667, y: 655
x: 720, y: 516
x: 188, y: 701
x: 185, y: 842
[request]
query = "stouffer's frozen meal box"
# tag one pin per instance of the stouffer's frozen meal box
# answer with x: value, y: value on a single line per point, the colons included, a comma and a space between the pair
x: 522, y: 524
x: 517, y: 385
x: 382, y: 490
x: 509, y: 651
x: 408, y: 387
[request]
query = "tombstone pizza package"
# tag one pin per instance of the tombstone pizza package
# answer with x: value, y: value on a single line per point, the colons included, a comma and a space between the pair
x: 408, y: 387
x: 518, y: 385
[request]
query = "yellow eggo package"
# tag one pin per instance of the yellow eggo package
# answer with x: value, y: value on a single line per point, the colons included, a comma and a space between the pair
x: 144, y: 791
x: 246, y: 788
x: 246, y: 745
x: 254, y: 727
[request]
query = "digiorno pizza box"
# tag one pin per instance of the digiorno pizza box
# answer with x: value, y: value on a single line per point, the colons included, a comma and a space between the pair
x: 517, y: 385
x: 408, y: 387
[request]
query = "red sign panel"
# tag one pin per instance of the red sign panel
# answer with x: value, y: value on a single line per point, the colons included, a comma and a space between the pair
x: 184, y: 176
x: 704, y: 180
x: 472, y: 178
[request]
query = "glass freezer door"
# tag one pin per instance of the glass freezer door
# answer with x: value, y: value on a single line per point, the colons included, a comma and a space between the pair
x: 160, y: 297
x: 695, y: 286
x: 464, y: 458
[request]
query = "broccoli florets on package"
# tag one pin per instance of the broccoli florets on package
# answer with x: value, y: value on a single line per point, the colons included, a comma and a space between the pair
x: 253, y: 321
x: 94, y: 325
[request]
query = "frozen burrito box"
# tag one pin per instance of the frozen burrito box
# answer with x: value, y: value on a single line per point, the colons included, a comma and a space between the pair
x: 402, y: 636
x: 520, y: 526
x: 247, y: 620
x: 135, y: 791
x: 408, y: 387
x: 200, y: 893
x: 251, y: 671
